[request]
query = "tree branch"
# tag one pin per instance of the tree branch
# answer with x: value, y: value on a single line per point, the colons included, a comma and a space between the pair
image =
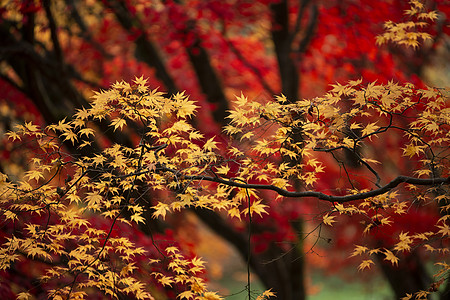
x: 331, y: 198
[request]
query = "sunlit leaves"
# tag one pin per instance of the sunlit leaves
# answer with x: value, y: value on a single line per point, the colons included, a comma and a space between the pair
x: 389, y: 256
x: 404, y: 243
x: 183, y: 106
x: 266, y: 295
x: 223, y: 170
x: 9, y: 215
x: 13, y: 136
x: 322, y: 144
x: 34, y: 175
x: 359, y: 250
x: 24, y: 296
x: 30, y: 127
x: 409, y: 33
x: 70, y: 136
x: 166, y: 281
x: 370, y: 128
x: 118, y: 123
x: 365, y: 264
x: 161, y: 210
x: 258, y: 208
x: 241, y: 100
x: 444, y: 229
x: 186, y: 272
x: 137, y: 212
x: 210, y: 145
x: 328, y: 220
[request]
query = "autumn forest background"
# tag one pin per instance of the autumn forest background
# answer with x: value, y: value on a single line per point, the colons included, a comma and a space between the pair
x: 223, y: 79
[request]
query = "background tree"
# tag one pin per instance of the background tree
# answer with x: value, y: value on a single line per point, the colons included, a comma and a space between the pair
x: 56, y: 53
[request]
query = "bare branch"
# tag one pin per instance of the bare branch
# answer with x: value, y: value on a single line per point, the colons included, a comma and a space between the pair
x: 331, y: 198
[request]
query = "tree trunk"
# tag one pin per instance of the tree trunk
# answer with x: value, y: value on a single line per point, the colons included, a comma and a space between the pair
x: 409, y: 276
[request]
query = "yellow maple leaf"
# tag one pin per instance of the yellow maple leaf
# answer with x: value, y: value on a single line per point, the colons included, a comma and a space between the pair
x: 258, y: 207
x: 247, y: 136
x: 172, y: 250
x: 197, y: 261
x: 310, y: 178
x: 34, y: 174
x: 30, y: 127
x: 210, y: 296
x: 444, y: 229
x: 13, y: 136
x: 195, y: 135
x: 141, y: 83
x: 186, y: 295
x: 365, y: 264
x: 422, y: 295
x: 82, y: 114
x: 359, y: 250
x: 138, y: 218
x: 223, y: 170
x: 262, y: 177
x: 328, y: 220
x: 70, y: 135
x: 374, y: 251
x: 160, y: 210
x: 234, y: 212
x: 355, y: 125
x: 10, y: 215
x: 280, y: 182
x: 266, y: 295
x: 24, y: 296
x: 412, y: 150
x: 184, y: 106
x: 391, y: 257
x: 98, y: 159
x: 179, y: 126
x: 93, y: 199
x: 370, y: 128
x: 210, y: 145
x: 118, y: 123
x: 369, y: 160
x: 128, y: 269
x: 407, y: 297
x: 241, y: 100
x: 405, y: 242
x: 166, y: 280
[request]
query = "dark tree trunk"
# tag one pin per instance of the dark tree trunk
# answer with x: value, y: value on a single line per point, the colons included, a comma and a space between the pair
x: 282, y: 41
x: 409, y: 276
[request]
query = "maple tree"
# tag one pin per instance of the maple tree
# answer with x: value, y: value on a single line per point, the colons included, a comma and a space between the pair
x: 92, y: 209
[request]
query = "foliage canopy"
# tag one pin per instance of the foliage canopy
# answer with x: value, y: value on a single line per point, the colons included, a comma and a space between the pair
x: 76, y: 210
x: 172, y: 157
